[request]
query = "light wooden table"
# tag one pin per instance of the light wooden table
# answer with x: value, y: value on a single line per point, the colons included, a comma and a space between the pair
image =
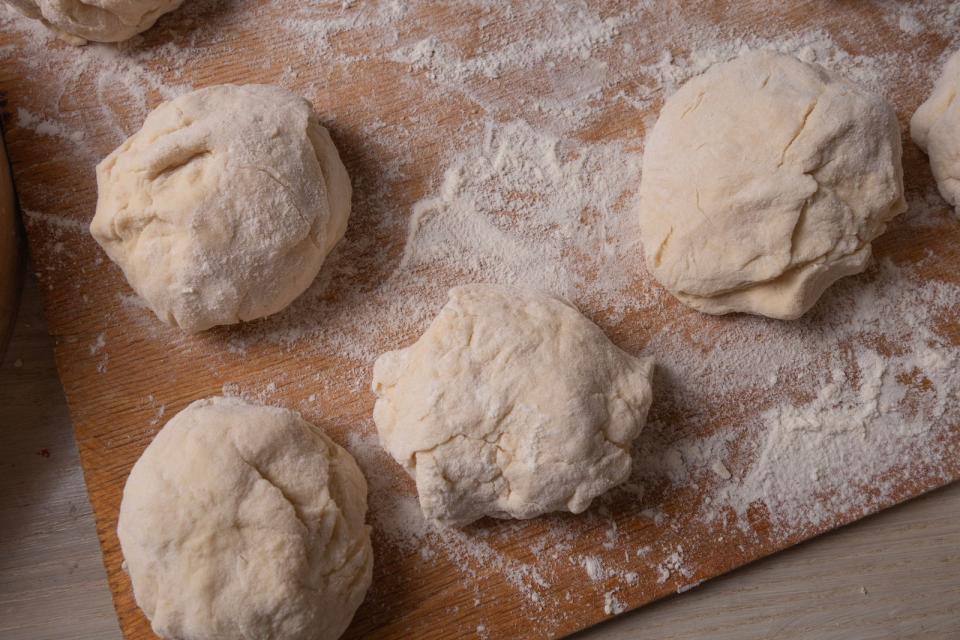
x: 895, y: 575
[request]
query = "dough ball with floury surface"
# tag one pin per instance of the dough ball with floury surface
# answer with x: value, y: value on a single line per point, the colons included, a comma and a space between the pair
x: 764, y: 181
x: 512, y: 404
x: 224, y: 206
x: 245, y: 521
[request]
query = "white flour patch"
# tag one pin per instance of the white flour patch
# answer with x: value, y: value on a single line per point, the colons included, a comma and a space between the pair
x: 594, y: 568
x: 45, y: 127
x: 58, y: 222
x: 98, y: 344
x: 673, y: 565
x: 575, y: 35
x: 612, y: 605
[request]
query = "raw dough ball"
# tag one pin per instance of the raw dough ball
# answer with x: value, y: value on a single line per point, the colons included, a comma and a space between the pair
x: 224, y: 205
x: 935, y: 127
x: 511, y: 405
x: 764, y: 181
x: 243, y: 521
x: 77, y: 21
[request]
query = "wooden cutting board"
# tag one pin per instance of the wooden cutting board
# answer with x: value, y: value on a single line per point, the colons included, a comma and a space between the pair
x: 124, y: 374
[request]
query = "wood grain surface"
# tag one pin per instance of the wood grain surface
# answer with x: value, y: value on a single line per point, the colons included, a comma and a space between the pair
x: 122, y: 371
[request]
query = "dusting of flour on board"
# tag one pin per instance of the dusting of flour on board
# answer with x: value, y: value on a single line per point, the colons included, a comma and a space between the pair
x: 794, y: 424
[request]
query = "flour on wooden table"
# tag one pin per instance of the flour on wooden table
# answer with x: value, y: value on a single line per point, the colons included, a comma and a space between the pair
x: 594, y: 568
x: 514, y: 206
x: 59, y: 223
x: 611, y: 604
x: 48, y: 127
x: 822, y: 415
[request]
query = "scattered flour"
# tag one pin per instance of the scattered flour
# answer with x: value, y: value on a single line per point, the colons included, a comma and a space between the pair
x: 594, y: 568
x: 916, y: 18
x: 48, y: 127
x: 612, y: 605
x: 60, y: 223
x: 869, y: 410
x: 802, y: 422
x: 98, y: 344
x: 513, y: 207
x: 568, y: 34
x: 673, y: 564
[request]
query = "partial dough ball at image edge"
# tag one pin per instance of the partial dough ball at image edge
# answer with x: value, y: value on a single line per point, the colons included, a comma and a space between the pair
x: 512, y: 404
x: 224, y: 206
x: 764, y: 181
x: 76, y: 21
x: 935, y: 127
x: 245, y: 521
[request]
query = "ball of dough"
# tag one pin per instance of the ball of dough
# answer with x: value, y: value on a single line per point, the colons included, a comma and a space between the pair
x: 76, y: 21
x: 244, y: 521
x: 511, y: 405
x: 764, y: 181
x: 223, y: 207
x: 935, y: 127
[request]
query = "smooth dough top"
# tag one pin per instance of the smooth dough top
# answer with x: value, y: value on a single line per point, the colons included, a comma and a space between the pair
x: 512, y: 404
x: 224, y: 205
x: 764, y: 181
x: 77, y: 21
x: 244, y: 521
x: 935, y: 127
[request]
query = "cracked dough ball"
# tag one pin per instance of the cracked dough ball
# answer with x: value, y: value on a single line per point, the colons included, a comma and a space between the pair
x: 935, y: 127
x: 77, y: 21
x: 511, y: 405
x: 764, y: 181
x: 223, y: 207
x: 244, y: 521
